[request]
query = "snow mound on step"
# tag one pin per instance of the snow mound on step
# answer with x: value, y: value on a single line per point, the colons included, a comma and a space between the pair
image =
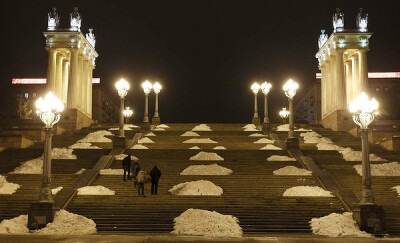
x: 80, y: 171
x: 95, y: 190
x: 199, y: 222
x: 17, y: 225
x: 54, y: 191
x: 7, y: 187
x: 249, y: 126
x: 219, y: 148
x: 122, y: 156
x: 352, y: 155
x: 212, y: 169
x: 199, y: 140
x: 62, y: 153
x: 385, y: 169
x: 33, y: 166
x: 206, y: 156
x: 397, y: 189
x: 251, y: 129
x: 280, y: 158
x: 195, y: 147
x: 201, y: 127
x: 150, y: 134
x: 307, y: 191
x: 270, y: 147
x: 159, y: 129
x: 302, y: 130
x: 145, y: 140
x: 97, y: 136
x: 264, y: 140
x: 196, y: 188
x: 283, y: 128
x: 257, y: 135
x: 139, y: 146
x: 327, y: 146
x: 111, y: 172
x: 127, y: 127
x: 163, y: 126
x: 190, y: 134
x: 83, y: 146
x: 337, y: 225
x: 292, y: 171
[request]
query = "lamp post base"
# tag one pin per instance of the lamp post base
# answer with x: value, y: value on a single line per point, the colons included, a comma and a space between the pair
x: 292, y: 143
x: 256, y: 121
x: 266, y: 127
x: 145, y: 126
x: 119, y: 142
x: 40, y: 214
x: 155, y: 121
x: 370, y: 218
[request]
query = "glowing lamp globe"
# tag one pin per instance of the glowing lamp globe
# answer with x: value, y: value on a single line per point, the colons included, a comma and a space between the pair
x: 122, y: 87
x: 255, y: 88
x: 157, y: 87
x: 266, y: 87
x: 284, y: 113
x: 49, y: 109
x: 128, y: 112
x: 147, y: 86
x: 290, y: 88
x: 364, y: 110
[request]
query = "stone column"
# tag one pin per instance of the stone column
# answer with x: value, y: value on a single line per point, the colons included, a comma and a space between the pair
x: 90, y: 89
x: 73, y: 86
x: 340, y: 81
x: 51, y: 70
x: 327, y: 86
x: 64, y: 89
x: 84, y: 81
x: 349, y: 95
x: 80, y: 83
x: 363, y: 70
x: 333, y: 87
x: 323, y: 90
x: 355, y: 74
x: 59, y: 75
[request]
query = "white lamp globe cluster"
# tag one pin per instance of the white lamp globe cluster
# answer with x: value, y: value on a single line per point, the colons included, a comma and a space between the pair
x: 255, y: 88
x: 157, y: 87
x: 364, y: 110
x: 49, y: 109
x: 266, y: 87
x: 122, y: 87
x: 147, y: 86
x: 128, y: 112
x: 290, y: 88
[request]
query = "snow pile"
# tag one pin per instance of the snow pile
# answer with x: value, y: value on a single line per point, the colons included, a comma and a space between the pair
x: 251, y: 129
x: 264, y: 140
x: 213, y: 169
x: 127, y: 127
x: 33, y: 166
x: 306, y: 191
x: 199, y: 222
x: 201, y: 127
x: 195, y: 147
x: 131, y: 126
x: 270, y: 147
x: 163, y: 126
x: 337, y: 225
x: 396, y: 188
x: 199, y: 140
x: 190, y: 134
x: 196, y: 188
x: 83, y: 146
x: 219, y: 148
x: 145, y: 140
x: 257, y: 135
x: 283, y: 128
x: 62, y: 153
x: 150, y: 134
x: 139, y: 146
x: 7, y: 187
x: 292, y: 171
x: 97, y: 136
x: 111, y: 172
x: 54, y: 191
x: 352, y: 155
x: 249, y: 126
x: 302, y: 130
x: 80, y: 171
x: 206, y: 156
x: 328, y: 146
x: 385, y: 169
x: 280, y: 158
x: 95, y: 190
x: 122, y: 156
x: 159, y: 129
x: 65, y: 223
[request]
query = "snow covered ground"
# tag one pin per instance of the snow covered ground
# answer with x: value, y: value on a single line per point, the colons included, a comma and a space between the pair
x: 83, y: 146
x: 292, y: 171
x: 199, y: 222
x: 111, y: 172
x: 65, y: 223
x: 219, y: 148
x: 145, y: 140
x: 307, y: 191
x: 337, y: 225
x: 397, y: 189
x: 270, y: 147
x: 190, y: 134
x: 249, y: 126
x: 206, y: 156
x: 163, y: 126
x: 97, y: 136
x: 80, y: 171
x: 352, y: 155
x: 122, y: 156
x: 257, y: 135
x: 127, y: 127
x: 283, y: 128
x: 199, y: 140
x: 251, y: 129
x: 159, y: 129
x: 212, y: 169
x: 196, y: 188
x: 202, y: 127
x: 280, y: 158
x: 150, y: 134
x: 54, y: 191
x: 264, y: 140
x: 385, y: 169
x: 139, y: 146
x: 194, y: 147
x: 95, y: 190
x: 7, y: 187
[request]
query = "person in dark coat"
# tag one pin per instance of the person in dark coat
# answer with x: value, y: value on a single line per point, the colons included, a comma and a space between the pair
x: 126, y: 165
x: 135, y: 170
x: 155, y: 174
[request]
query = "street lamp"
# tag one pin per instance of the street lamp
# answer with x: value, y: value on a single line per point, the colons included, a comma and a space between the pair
x: 284, y: 114
x: 290, y: 88
x: 147, y: 86
x: 157, y: 88
x: 127, y: 113
x: 122, y: 87
x: 364, y: 111
x: 255, y: 88
x: 265, y: 88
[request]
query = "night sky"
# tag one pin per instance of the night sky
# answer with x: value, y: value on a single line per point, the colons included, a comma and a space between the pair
x: 205, y: 53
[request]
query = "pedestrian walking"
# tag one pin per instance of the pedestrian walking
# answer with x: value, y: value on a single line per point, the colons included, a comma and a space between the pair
x: 141, y: 177
x: 155, y: 174
x: 126, y: 165
x: 135, y: 171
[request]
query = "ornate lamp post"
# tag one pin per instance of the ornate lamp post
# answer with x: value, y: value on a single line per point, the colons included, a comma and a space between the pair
x: 265, y: 88
x: 157, y: 88
x: 284, y: 114
x: 255, y: 88
x: 122, y: 87
x: 364, y: 111
x: 147, y: 86
x: 290, y: 88
x: 127, y: 113
x: 48, y: 110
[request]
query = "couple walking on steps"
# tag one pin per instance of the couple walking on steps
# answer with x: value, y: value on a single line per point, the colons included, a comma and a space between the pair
x: 139, y: 176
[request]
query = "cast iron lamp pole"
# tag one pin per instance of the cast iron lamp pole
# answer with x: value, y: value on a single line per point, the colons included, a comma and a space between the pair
x: 290, y: 88
x: 265, y: 88
x: 255, y: 88
x: 122, y: 87
x: 147, y: 86
x: 157, y: 88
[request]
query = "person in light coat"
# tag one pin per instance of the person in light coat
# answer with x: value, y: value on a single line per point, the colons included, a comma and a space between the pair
x: 141, y: 177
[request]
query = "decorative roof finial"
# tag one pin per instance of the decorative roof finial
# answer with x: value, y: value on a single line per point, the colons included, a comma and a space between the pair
x: 323, y: 37
x: 91, y: 38
x: 338, y: 21
x: 76, y: 20
x: 362, y: 21
x: 52, y: 19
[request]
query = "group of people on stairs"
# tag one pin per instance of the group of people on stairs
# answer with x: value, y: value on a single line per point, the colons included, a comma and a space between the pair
x: 139, y: 175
